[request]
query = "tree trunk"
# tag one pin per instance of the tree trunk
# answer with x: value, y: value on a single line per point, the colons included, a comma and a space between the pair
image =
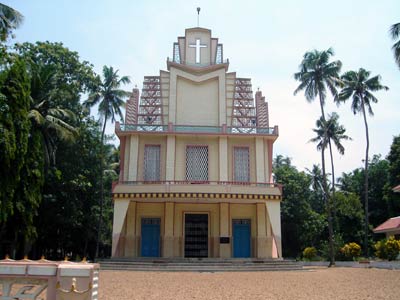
x: 366, y: 248
x: 327, y: 196
x: 329, y: 212
x: 101, y: 187
x: 333, y: 188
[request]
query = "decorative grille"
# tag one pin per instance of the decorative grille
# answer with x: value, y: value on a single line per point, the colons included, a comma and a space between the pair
x: 241, y: 221
x: 196, y: 235
x: 177, y: 56
x: 219, y: 57
x: 197, y: 163
x: 241, y: 164
x: 244, y: 111
x: 150, y: 106
x: 152, y: 163
x: 150, y: 221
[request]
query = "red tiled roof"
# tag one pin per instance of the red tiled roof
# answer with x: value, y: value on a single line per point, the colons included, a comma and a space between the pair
x: 396, y: 189
x: 389, y: 225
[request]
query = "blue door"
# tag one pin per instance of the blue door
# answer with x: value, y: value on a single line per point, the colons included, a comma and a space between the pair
x: 150, y: 237
x: 241, y: 238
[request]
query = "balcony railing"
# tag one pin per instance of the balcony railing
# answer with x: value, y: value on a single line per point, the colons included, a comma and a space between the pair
x: 216, y: 183
x: 196, y: 129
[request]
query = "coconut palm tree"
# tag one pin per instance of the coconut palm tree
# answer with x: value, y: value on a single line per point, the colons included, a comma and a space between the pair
x: 109, y: 98
x: 331, y: 130
x: 10, y: 19
x: 358, y: 86
x: 327, y: 131
x: 54, y: 123
x: 317, y: 75
x: 395, y: 34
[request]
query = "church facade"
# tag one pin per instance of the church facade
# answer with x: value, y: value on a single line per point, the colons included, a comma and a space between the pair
x: 196, y: 162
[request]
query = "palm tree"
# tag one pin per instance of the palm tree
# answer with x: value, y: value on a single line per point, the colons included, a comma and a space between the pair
x: 10, y: 19
x: 331, y: 130
x: 110, y: 100
x: 358, y: 86
x: 327, y: 131
x: 54, y: 123
x: 395, y: 34
x: 316, y: 75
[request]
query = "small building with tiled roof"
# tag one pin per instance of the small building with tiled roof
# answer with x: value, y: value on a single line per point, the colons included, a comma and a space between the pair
x: 391, y: 227
x: 396, y: 189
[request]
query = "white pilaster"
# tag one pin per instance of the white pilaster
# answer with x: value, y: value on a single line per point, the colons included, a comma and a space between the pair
x: 223, y: 158
x: 133, y: 157
x: 170, y: 158
x: 120, y: 210
x: 260, y: 171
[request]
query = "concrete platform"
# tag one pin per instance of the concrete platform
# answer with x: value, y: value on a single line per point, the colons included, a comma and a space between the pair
x: 199, y: 264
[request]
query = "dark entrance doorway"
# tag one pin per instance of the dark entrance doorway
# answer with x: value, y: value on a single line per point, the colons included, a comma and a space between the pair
x: 196, y: 235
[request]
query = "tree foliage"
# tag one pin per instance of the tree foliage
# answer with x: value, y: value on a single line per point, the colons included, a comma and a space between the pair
x: 110, y: 99
x: 301, y: 226
x: 21, y: 160
x: 392, y: 198
x: 395, y: 34
x: 359, y: 87
x: 10, y: 19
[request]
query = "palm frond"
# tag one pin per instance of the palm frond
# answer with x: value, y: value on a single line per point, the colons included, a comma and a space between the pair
x: 394, y: 31
x: 36, y: 117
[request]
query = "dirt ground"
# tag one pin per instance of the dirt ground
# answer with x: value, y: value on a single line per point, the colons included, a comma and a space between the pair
x: 323, y: 283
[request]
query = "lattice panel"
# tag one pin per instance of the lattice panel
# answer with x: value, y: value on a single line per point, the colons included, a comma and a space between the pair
x: 241, y: 164
x: 242, y: 221
x: 219, y: 57
x: 244, y: 112
x: 197, y: 163
x: 151, y: 221
x: 177, y: 55
x: 152, y: 163
x: 150, y: 108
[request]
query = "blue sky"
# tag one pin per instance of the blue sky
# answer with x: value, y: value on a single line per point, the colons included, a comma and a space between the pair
x: 264, y: 40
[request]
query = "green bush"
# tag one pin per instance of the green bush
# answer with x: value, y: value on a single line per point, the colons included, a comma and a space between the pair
x: 309, y: 253
x: 351, y: 250
x: 387, y: 248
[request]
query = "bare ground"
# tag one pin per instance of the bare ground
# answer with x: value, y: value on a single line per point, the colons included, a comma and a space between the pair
x: 324, y: 283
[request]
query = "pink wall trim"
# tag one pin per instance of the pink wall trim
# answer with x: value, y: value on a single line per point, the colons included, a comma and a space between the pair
x: 122, y: 157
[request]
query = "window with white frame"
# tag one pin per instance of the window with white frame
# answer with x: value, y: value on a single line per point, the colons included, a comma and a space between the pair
x: 241, y: 160
x: 151, y: 163
x: 197, y: 163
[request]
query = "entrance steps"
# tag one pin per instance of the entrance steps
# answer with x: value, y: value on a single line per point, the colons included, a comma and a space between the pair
x: 199, y: 264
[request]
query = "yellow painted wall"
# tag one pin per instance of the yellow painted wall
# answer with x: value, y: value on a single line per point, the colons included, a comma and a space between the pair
x: 180, y: 156
x: 197, y: 103
x: 152, y: 140
x: 220, y: 224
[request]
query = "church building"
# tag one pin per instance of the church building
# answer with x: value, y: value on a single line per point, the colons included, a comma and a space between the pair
x: 196, y: 162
